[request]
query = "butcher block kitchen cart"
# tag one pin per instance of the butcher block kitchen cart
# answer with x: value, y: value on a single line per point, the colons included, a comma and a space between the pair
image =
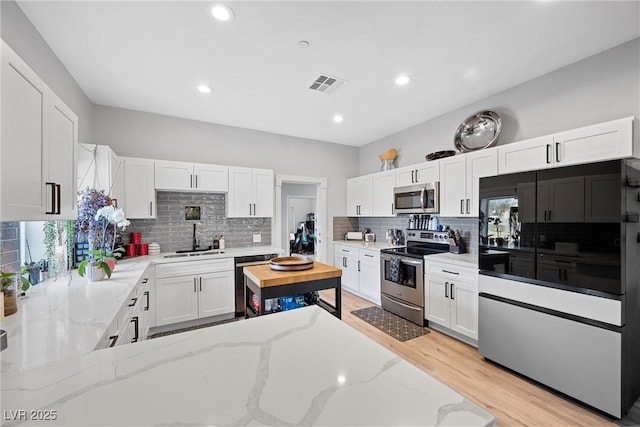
x: 266, y: 283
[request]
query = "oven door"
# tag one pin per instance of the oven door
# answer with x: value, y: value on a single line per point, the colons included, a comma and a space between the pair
x: 423, y: 198
x: 402, y: 278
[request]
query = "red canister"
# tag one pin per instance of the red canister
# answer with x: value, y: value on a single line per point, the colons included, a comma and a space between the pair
x: 135, y: 237
x: 130, y: 249
x: 143, y: 249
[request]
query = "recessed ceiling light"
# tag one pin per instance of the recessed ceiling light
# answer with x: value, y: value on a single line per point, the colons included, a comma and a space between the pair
x: 338, y: 118
x: 402, y: 80
x: 222, y: 12
x: 204, y: 89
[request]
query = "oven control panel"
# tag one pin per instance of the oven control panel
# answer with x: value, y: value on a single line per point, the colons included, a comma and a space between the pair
x: 428, y: 236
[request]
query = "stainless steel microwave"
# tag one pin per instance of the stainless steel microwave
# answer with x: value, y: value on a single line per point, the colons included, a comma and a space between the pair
x: 417, y: 198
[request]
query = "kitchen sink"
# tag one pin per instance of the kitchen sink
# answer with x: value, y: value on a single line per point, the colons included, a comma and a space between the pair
x: 196, y: 253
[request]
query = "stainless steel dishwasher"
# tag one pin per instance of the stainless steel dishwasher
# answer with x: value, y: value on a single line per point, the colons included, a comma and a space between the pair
x: 246, y: 261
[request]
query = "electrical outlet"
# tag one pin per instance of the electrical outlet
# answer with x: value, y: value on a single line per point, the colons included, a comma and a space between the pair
x: 257, y: 238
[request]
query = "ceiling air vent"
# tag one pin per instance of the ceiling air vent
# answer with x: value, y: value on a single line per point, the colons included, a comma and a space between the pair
x: 326, y: 84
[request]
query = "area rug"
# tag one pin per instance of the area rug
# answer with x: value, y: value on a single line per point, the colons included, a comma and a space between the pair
x: 392, y: 325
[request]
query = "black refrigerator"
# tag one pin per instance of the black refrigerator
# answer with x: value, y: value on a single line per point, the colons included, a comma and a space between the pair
x: 559, y: 263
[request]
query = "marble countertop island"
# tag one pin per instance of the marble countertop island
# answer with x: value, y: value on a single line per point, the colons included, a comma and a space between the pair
x: 298, y: 367
x: 67, y: 316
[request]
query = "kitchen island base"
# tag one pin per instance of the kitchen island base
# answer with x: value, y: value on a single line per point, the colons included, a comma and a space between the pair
x: 266, y: 284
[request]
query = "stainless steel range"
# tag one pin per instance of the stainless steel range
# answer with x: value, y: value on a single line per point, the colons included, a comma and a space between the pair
x: 402, y: 273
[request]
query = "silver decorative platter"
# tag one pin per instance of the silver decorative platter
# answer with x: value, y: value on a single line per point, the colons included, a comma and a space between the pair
x: 479, y: 131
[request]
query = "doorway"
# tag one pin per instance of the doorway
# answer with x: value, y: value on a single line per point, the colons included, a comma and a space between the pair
x: 301, y: 200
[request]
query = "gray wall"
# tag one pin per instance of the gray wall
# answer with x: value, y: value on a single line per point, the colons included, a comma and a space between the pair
x: 18, y: 32
x: 597, y: 89
x: 137, y: 134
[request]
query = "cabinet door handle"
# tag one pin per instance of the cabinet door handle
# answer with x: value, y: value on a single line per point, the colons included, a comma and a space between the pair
x: 146, y: 294
x: 358, y: 265
x: 114, y: 340
x: 565, y: 274
x: 136, y: 333
x: 191, y: 181
x: 58, y: 198
x: 412, y: 177
x: 557, y: 151
x: 194, y: 285
x: 368, y: 256
x: 559, y: 274
x: 200, y: 280
x: 254, y: 209
x: 446, y: 289
x: 549, y: 215
x: 452, y: 297
x: 462, y: 206
x: 53, y: 198
x: 417, y: 180
x: 145, y: 280
x: 196, y: 181
x: 134, y: 300
x: 468, y: 206
x: 150, y: 208
x: 450, y: 272
x: 548, y: 153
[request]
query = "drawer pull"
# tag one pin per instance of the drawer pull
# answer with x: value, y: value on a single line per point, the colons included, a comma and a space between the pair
x: 450, y: 272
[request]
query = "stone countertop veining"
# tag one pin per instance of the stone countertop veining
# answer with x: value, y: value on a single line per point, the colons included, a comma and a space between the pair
x: 366, y: 245
x: 67, y: 316
x: 298, y: 367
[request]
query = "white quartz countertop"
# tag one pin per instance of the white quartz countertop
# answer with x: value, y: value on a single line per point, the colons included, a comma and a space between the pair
x: 298, y: 367
x: 365, y: 245
x: 67, y: 316
x: 464, y: 260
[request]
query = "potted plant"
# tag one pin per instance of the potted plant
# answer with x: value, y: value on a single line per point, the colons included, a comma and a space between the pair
x: 7, y: 282
x: 99, y: 221
x: 95, y: 268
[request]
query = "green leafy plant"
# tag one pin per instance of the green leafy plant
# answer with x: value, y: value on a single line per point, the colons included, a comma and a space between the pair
x: 7, y: 279
x: 97, y: 258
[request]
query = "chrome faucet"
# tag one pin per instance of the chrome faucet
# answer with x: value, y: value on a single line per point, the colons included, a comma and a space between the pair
x: 195, y: 241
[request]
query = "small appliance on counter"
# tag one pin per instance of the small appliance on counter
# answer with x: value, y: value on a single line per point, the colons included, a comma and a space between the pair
x: 368, y: 236
x: 354, y: 235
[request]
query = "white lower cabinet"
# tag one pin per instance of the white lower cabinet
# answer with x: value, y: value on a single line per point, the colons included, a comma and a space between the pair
x: 194, y: 289
x: 360, y: 271
x: 451, y: 298
x: 131, y: 324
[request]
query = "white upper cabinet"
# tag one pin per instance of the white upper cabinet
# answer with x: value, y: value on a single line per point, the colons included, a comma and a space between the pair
x: 371, y: 195
x: 383, y: 184
x: 37, y: 152
x: 62, y: 140
x: 421, y: 173
x: 140, y: 194
x: 604, y: 141
x: 212, y: 178
x: 460, y: 181
x: 251, y: 193
x: 360, y: 196
x: 596, y: 143
x: 180, y: 176
x: 531, y: 154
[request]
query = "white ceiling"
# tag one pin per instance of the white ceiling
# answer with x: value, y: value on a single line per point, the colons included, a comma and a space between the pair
x: 151, y: 55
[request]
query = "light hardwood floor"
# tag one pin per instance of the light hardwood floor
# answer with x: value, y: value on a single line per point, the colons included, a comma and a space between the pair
x: 513, y: 400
